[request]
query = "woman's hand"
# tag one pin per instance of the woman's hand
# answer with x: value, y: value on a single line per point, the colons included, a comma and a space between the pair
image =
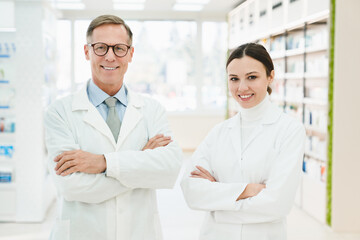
x: 251, y: 190
x: 202, y: 173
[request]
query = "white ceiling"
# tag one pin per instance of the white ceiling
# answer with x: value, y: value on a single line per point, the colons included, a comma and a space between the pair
x: 154, y: 9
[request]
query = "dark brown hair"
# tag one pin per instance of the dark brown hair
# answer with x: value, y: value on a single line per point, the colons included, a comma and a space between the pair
x: 107, y: 19
x: 256, y: 51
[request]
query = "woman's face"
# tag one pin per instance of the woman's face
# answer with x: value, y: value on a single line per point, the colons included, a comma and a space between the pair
x: 248, y: 81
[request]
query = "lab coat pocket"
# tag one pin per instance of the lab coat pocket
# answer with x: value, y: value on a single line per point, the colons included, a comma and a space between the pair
x: 61, y: 230
x: 265, y: 231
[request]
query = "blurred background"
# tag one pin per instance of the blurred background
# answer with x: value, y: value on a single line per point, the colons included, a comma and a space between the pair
x: 181, y: 47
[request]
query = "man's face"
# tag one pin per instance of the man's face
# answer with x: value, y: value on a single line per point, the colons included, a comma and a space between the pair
x: 108, y: 71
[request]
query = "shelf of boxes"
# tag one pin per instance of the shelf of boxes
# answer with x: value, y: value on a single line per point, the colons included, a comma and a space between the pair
x: 295, y: 33
x: 25, y: 189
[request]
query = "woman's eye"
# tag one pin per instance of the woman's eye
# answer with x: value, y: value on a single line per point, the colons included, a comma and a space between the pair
x: 233, y: 79
x: 252, y: 77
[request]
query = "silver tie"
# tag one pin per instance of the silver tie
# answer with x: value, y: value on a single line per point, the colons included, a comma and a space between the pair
x: 113, y: 120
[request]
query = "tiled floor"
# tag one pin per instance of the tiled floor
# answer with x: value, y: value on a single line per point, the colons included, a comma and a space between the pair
x: 180, y: 223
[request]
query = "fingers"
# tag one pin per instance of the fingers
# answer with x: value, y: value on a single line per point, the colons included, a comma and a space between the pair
x: 65, y: 161
x: 157, y: 136
x: 58, y: 157
x: 69, y: 171
x: 157, y: 141
x: 198, y: 174
x: 65, y: 167
x: 202, y: 173
x: 207, y: 173
x: 164, y: 142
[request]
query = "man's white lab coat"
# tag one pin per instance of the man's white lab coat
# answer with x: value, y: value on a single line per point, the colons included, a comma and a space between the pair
x: 119, y: 204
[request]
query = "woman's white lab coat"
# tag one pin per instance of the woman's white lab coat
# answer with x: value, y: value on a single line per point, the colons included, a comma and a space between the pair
x: 121, y: 203
x: 273, y: 155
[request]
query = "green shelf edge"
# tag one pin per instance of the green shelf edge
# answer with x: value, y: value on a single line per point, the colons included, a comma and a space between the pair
x: 330, y: 114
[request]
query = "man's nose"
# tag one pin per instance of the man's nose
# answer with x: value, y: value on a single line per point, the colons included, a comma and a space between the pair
x: 110, y: 55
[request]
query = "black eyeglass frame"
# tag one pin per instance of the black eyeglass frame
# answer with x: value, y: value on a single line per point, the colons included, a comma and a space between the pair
x: 108, y: 47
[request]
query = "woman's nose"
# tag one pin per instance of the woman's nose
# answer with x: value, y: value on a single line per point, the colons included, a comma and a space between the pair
x: 243, y: 85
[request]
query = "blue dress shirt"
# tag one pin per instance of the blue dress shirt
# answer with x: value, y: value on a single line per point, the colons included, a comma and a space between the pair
x: 98, y: 96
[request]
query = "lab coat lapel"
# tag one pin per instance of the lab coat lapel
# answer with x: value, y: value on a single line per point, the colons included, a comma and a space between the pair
x: 270, y: 117
x: 92, y: 116
x: 131, y: 118
x: 234, y: 127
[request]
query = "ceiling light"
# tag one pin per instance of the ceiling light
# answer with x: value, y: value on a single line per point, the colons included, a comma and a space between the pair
x: 193, y: 1
x: 188, y: 7
x: 67, y: 1
x: 129, y: 6
x: 70, y: 5
x: 129, y: 1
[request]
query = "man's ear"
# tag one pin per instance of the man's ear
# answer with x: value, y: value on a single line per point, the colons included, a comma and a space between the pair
x: 86, y: 51
x: 131, y: 50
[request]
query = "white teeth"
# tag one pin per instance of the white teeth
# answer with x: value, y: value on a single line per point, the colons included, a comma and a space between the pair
x: 245, y: 96
x: 109, y: 68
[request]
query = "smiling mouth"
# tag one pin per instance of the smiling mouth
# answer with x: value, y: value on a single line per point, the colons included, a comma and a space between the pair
x: 246, y: 97
x: 109, y: 68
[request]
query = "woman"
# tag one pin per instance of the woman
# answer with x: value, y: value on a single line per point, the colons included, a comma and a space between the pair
x: 246, y: 171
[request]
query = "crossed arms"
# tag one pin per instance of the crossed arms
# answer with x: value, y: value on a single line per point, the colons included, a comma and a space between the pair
x: 73, y: 161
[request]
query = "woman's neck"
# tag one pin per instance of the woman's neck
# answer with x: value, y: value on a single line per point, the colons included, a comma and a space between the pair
x: 256, y: 112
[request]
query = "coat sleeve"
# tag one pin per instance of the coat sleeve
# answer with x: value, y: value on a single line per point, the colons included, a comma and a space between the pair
x: 276, y: 200
x: 202, y: 194
x: 82, y: 187
x: 153, y: 168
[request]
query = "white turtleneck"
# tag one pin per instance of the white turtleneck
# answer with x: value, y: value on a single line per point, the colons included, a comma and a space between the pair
x: 250, y: 118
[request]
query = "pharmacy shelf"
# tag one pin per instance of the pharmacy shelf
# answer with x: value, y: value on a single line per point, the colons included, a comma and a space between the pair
x: 317, y: 102
x: 290, y: 101
x: 316, y: 50
x: 294, y: 75
x: 315, y: 156
x: 294, y: 52
x: 316, y: 131
x: 316, y: 76
x: 4, y: 186
x: 7, y: 135
x: 26, y: 111
x: 277, y: 55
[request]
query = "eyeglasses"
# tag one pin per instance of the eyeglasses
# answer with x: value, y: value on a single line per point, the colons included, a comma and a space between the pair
x: 101, y: 49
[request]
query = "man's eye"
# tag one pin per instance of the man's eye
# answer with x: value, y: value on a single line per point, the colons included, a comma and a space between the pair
x: 120, y: 49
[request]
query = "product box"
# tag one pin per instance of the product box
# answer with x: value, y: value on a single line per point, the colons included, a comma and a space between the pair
x: 6, y: 152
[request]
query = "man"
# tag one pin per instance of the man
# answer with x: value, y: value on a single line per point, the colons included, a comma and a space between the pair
x: 108, y: 147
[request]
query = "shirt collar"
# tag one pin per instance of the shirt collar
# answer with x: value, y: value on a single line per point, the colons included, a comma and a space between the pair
x: 98, y: 96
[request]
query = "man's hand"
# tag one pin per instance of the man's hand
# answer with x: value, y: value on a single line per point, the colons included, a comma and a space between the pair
x: 251, y: 190
x: 79, y: 161
x: 202, y: 173
x: 158, y: 141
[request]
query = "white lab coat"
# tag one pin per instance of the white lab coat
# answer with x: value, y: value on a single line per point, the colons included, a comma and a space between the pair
x: 121, y: 203
x: 273, y: 155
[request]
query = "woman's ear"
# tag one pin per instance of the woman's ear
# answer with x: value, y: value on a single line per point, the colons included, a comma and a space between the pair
x: 271, y: 77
